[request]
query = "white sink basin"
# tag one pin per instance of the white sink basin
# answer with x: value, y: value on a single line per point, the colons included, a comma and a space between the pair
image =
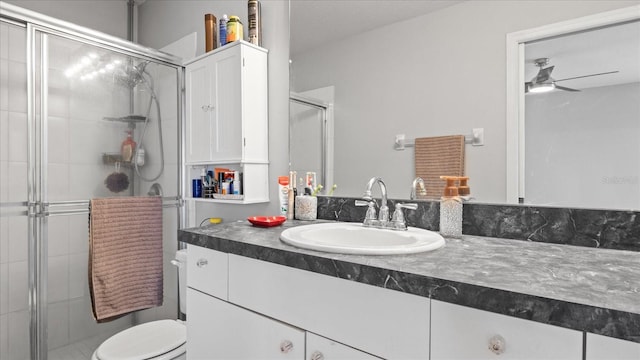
x: 353, y: 238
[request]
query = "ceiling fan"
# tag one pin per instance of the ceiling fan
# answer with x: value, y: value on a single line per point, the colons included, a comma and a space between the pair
x: 543, y: 81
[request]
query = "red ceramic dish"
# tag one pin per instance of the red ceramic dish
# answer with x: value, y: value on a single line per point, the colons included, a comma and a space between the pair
x: 267, y: 221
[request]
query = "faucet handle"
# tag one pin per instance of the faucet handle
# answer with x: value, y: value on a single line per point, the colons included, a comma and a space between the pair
x: 362, y: 203
x: 398, y: 216
x: 370, y: 219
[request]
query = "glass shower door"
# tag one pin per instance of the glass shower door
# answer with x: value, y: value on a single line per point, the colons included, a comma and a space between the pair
x: 14, y: 195
x: 92, y: 99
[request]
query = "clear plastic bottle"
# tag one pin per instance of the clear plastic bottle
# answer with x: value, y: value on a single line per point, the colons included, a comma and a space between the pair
x: 450, y: 210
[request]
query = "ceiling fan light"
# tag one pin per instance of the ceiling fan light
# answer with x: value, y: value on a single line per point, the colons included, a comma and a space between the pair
x: 541, y: 87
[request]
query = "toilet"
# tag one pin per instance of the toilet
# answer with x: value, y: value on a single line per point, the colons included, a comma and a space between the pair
x: 155, y: 340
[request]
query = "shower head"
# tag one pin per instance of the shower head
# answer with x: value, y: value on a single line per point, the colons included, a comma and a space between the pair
x: 130, y: 75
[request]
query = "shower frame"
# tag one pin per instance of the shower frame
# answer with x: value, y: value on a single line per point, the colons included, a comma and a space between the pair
x: 36, y: 208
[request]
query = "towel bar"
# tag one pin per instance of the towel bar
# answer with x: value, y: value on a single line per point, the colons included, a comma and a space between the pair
x: 476, y: 138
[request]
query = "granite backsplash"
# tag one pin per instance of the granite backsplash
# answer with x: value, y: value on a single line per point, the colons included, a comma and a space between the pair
x: 607, y: 229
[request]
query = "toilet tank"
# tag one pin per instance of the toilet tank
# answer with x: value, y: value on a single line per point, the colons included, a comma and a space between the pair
x: 181, y: 262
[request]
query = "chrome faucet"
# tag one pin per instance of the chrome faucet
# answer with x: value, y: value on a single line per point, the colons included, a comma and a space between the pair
x: 382, y: 219
x: 417, y: 188
x: 383, y: 213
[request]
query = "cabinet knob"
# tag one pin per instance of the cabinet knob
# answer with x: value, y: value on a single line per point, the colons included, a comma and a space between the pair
x: 286, y: 346
x: 316, y: 355
x: 202, y: 263
x: 497, y: 344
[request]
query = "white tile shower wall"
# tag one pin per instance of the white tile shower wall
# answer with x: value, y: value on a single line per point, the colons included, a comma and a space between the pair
x: 18, y: 336
x: 58, y: 236
x: 4, y: 238
x: 58, y: 322
x: 4, y: 288
x: 58, y: 148
x: 18, y: 281
x: 4, y: 337
x: 17, y: 238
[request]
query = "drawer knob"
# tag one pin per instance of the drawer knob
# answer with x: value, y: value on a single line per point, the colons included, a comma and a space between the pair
x: 286, y: 346
x: 201, y: 263
x: 317, y: 355
x: 497, y: 344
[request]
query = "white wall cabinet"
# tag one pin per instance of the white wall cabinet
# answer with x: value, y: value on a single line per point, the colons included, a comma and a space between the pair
x: 605, y: 348
x: 460, y: 332
x: 227, y: 115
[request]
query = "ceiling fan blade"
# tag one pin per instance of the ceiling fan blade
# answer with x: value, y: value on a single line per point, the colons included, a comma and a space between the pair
x: 543, y: 75
x: 565, y: 88
x: 584, y: 76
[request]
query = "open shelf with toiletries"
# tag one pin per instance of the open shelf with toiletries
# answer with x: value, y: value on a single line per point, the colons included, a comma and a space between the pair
x: 231, y: 183
x: 227, y: 121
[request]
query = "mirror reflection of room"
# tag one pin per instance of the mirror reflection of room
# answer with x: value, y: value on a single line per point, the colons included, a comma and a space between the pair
x: 581, y: 131
x: 431, y: 82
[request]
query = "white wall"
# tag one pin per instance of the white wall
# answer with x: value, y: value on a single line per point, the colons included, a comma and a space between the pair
x: 162, y: 22
x: 107, y: 16
x: 439, y: 74
x: 567, y: 130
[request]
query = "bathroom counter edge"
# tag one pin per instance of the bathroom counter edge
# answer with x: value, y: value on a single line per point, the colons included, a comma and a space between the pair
x: 573, y: 287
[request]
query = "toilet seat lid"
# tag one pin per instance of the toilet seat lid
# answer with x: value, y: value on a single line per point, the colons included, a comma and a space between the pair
x: 144, y: 341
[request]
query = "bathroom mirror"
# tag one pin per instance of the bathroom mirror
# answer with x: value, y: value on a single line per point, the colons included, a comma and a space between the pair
x: 395, y: 77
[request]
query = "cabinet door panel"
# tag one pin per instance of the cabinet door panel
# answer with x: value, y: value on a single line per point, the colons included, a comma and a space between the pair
x: 227, y: 138
x: 605, y: 348
x: 198, y: 110
x: 386, y: 323
x: 219, y: 330
x: 459, y: 332
x: 320, y: 348
x: 207, y: 271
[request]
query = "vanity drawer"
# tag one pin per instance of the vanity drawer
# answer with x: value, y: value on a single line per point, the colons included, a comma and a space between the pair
x: 207, y: 271
x: 385, y: 323
x: 459, y: 332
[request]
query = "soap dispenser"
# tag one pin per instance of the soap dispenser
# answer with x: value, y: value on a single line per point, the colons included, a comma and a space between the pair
x: 450, y: 209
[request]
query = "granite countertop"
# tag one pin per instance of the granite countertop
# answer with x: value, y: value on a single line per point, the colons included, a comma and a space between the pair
x: 594, y: 290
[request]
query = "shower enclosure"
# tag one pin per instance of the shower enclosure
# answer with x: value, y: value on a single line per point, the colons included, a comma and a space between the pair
x: 68, y: 98
x: 311, y: 135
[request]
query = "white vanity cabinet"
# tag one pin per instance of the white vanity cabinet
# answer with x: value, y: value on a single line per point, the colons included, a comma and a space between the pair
x: 217, y: 329
x: 606, y: 348
x: 265, y: 301
x: 320, y: 348
x: 459, y: 332
x: 381, y: 322
x: 243, y: 308
x: 227, y: 115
